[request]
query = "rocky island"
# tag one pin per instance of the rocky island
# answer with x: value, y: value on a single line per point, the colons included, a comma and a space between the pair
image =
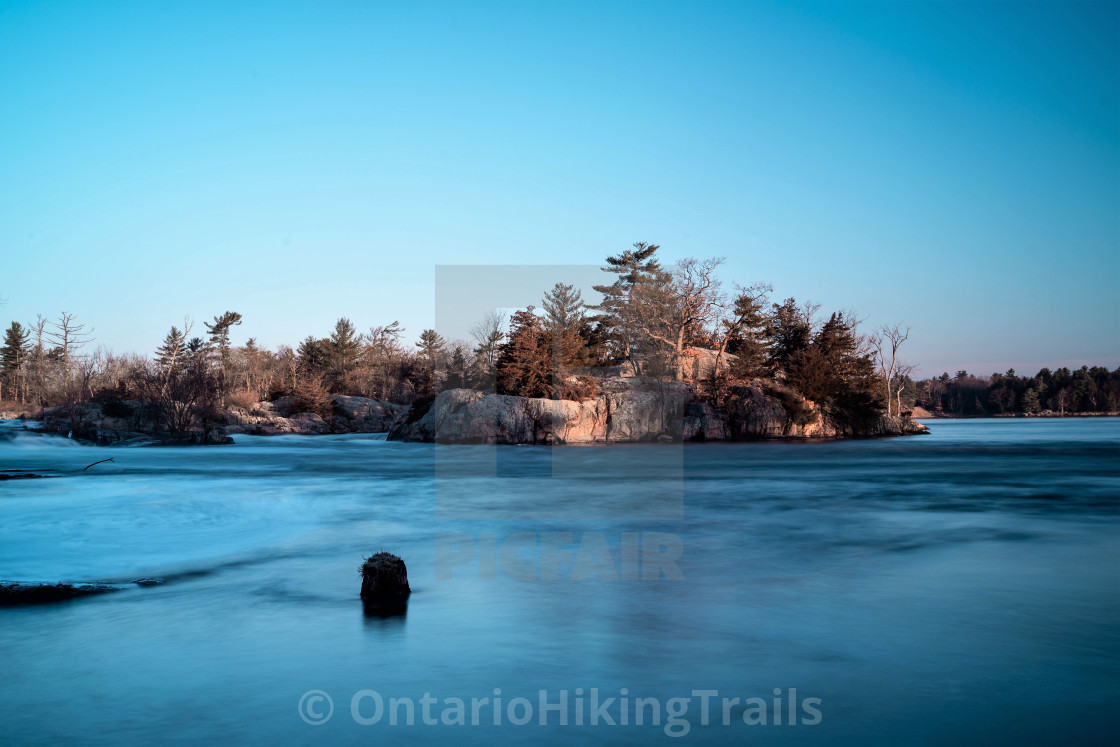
x: 630, y: 411
x: 664, y: 355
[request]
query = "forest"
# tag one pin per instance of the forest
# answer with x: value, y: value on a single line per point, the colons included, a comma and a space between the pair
x: 673, y: 322
x: 1060, y: 392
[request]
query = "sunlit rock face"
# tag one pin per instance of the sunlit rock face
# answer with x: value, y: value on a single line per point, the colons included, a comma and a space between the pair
x: 347, y: 415
x: 627, y: 410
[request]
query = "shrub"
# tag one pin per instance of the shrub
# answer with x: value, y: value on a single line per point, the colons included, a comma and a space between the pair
x: 576, y: 388
x: 311, y: 396
x: 243, y: 399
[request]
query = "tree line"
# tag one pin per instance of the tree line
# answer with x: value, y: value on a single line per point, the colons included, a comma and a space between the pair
x: 662, y: 322
x: 1062, y: 392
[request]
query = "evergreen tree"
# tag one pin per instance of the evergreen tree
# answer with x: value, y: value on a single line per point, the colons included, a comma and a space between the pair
x: 745, y: 333
x: 621, y: 310
x: 790, y: 332
x: 171, y: 352
x: 524, y: 365
x: 14, y: 355
x: 431, y: 344
x: 563, y: 317
x: 457, y: 366
x: 563, y: 309
x: 219, y: 333
x: 833, y: 364
x: 312, y: 354
x: 344, y: 347
x: 16, y: 347
x: 594, y: 346
x: 219, y: 339
x: 197, y: 352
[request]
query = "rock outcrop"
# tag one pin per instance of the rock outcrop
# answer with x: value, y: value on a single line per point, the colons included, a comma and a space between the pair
x: 630, y: 411
x: 121, y: 424
x: 361, y: 415
x: 625, y: 411
x: 348, y: 415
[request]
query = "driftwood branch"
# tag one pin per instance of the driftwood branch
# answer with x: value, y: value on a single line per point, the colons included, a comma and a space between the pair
x: 103, y: 460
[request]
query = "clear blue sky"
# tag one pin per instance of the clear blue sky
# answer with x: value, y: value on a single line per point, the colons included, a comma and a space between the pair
x: 952, y: 166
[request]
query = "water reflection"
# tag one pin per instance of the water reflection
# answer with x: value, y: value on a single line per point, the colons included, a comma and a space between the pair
x: 385, y: 616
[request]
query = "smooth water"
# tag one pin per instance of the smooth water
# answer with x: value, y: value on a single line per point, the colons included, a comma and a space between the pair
x: 960, y: 586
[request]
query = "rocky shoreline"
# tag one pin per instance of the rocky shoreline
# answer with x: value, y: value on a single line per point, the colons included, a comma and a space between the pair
x: 631, y: 411
x: 125, y: 424
x: 625, y: 410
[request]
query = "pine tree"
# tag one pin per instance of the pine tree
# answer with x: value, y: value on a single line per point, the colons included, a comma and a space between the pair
x: 563, y: 318
x: 14, y: 355
x: 219, y: 338
x: 312, y: 354
x: 457, y: 365
x: 563, y: 309
x: 745, y: 332
x: 170, y: 353
x: 789, y: 330
x: 431, y: 344
x: 833, y: 364
x: 219, y: 334
x: 197, y: 352
x: 344, y: 347
x: 621, y: 310
x: 524, y: 366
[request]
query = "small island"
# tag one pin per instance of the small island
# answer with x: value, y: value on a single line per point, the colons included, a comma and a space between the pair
x: 665, y: 354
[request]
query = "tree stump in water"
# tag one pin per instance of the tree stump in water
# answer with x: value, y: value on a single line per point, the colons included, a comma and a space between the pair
x: 384, y: 580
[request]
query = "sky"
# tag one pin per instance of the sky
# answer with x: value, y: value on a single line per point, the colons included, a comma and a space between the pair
x: 954, y: 167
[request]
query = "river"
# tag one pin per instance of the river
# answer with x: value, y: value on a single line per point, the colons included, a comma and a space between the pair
x: 959, y: 586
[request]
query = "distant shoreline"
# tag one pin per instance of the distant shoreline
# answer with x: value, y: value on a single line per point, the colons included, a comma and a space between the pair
x: 1019, y: 416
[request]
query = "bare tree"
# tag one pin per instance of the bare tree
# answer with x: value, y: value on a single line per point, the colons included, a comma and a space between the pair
x: 1062, y: 400
x: 385, y: 356
x: 70, y: 336
x: 40, y: 357
x: 289, y: 364
x: 885, y: 343
x: 903, y: 371
x: 386, y: 340
x: 690, y: 299
x: 488, y: 333
x: 178, y: 400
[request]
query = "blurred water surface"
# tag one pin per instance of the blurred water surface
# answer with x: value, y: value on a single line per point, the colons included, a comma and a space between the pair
x: 963, y: 585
